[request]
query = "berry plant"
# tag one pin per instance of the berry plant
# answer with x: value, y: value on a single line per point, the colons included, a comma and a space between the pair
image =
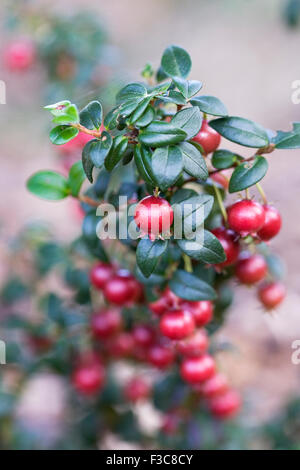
x: 156, y: 161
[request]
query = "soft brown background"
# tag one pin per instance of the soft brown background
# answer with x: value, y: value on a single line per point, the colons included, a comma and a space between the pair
x: 244, y: 54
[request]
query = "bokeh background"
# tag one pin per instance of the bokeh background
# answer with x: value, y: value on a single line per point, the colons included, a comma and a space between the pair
x: 244, y: 52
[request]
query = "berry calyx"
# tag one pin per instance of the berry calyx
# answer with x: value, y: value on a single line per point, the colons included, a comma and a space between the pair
x: 251, y: 269
x: 89, y: 378
x: 272, y: 224
x: 208, y: 138
x: 100, y: 274
x: 161, y: 356
x: 225, y: 405
x: 271, y: 294
x: 246, y: 216
x: 153, y: 215
x: 106, y: 323
x: 197, y: 369
x: 137, y: 389
x: 195, y: 345
x: 230, y: 244
x: 201, y: 310
x: 177, y: 324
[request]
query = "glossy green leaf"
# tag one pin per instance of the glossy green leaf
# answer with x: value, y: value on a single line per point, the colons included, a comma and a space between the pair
x: 188, y: 88
x: 48, y: 185
x: 132, y: 91
x: 62, y: 134
x: 174, y: 97
x: 68, y: 115
x: 288, y: 140
x: 161, y: 134
x: 57, y: 108
x: 210, y: 251
x: 193, y: 162
x: 210, y: 105
x: 146, y: 118
x: 241, y: 131
x: 142, y: 158
x: 148, y: 253
x: 139, y: 110
x: 98, y: 149
x: 247, y: 174
x: 176, y: 62
x: 189, y: 287
x: 159, y: 89
x: 193, y: 211
x: 117, y: 152
x: 87, y: 163
x: 91, y: 116
x: 76, y: 178
x: 189, y: 120
x: 222, y: 159
x: 166, y: 166
x: 111, y: 119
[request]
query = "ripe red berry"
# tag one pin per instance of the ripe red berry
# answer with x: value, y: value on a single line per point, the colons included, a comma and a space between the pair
x: 89, y: 378
x: 195, y: 345
x: 251, y: 269
x: 121, y: 345
x: 143, y: 335
x: 106, y: 323
x: 220, y: 177
x: 271, y: 294
x: 246, y: 216
x: 19, y: 55
x: 100, y: 274
x: 167, y: 301
x: 230, y: 244
x: 202, y: 311
x: 161, y: 356
x: 272, y: 224
x: 153, y: 215
x: 197, y: 369
x: 137, y: 389
x: 177, y: 324
x: 216, y: 385
x: 225, y: 405
x: 208, y: 138
x: 118, y: 290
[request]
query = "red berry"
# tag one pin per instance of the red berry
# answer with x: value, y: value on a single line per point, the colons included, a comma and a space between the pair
x: 202, y: 311
x: 143, y: 335
x: 271, y: 294
x: 75, y: 145
x: 216, y: 385
x: 225, y: 405
x: 19, y: 55
x: 220, y: 177
x: 197, y: 369
x: 208, y: 138
x: 89, y: 378
x: 153, y: 215
x: 161, y: 356
x: 167, y: 301
x: 136, y: 389
x: 177, y: 324
x: 246, y: 216
x: 230, y: 244
x: 106, y: 323
x: 100, y: 274
x: 118, y: 290
x: 251, y: 269
x: 272, y: 224
x: 195, y: 345
x: 121, y: 345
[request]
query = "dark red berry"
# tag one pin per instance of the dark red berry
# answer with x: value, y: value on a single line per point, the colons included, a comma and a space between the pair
x: 89, y: 378
x: 121, y: 345
x: 106, y: 323
x: 195, y: 345
x: 118, y: 290
x: 153, y: 215
x: 201, y: 310
x: 271, y: 294
x: 177, y: 324
x: 251, y: 269
x: 272, y: 224
x: 100, y: 274
x: 216, y: 385
x: 230, y: 244
x: 197, y: 369
x: 208, y: 138
x: 167, y: 301
x: 225, y: 405
x: 143, y: 335
x: 246, y: 216
x: 161, y: 356
x: 137, y: 389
